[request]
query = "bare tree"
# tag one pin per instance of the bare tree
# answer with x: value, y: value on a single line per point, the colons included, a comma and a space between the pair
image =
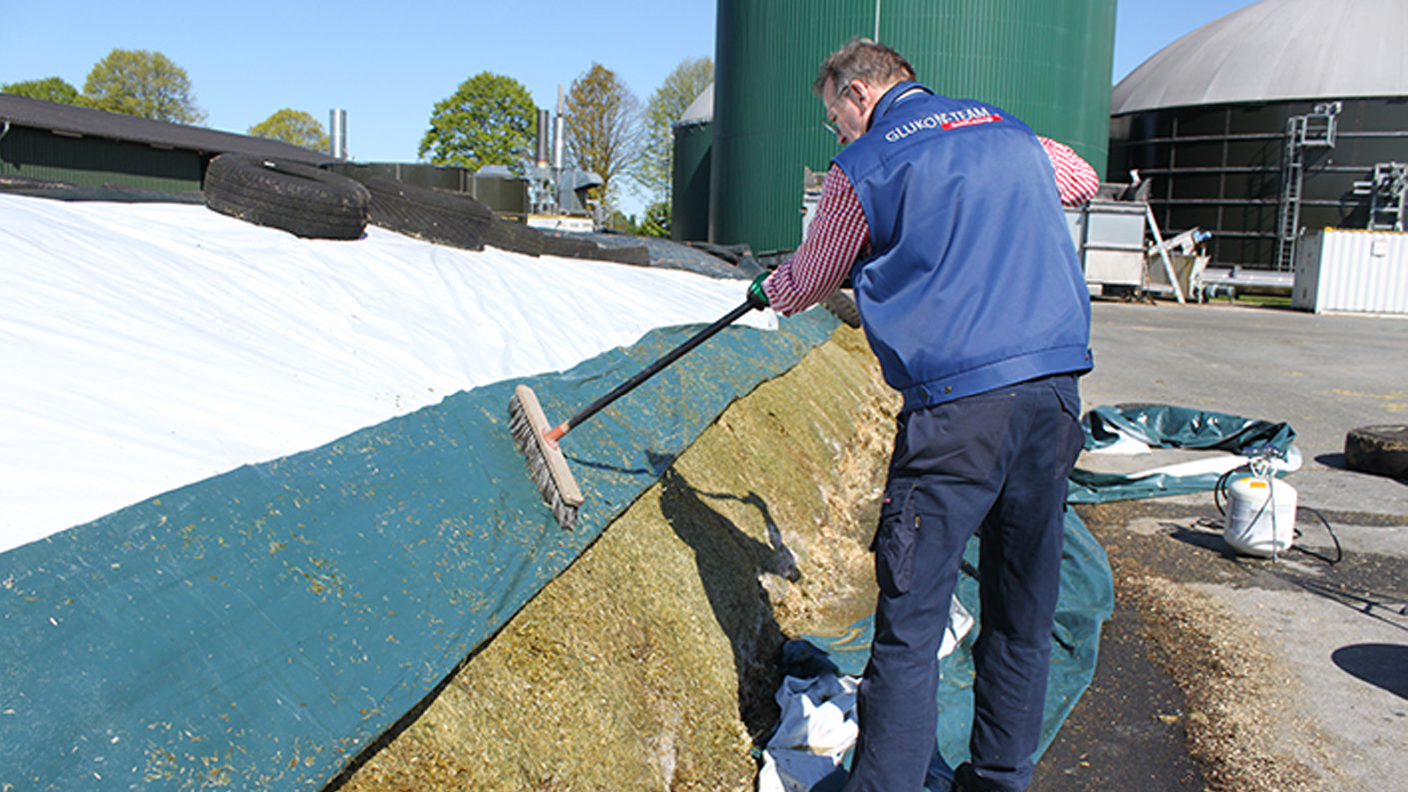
x: 603, y: 130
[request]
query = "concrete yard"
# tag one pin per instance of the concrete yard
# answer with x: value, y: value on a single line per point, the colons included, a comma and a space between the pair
x: 1234, y: 673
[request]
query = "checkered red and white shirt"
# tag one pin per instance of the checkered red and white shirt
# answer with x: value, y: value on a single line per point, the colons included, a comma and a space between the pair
x: 839, y: 233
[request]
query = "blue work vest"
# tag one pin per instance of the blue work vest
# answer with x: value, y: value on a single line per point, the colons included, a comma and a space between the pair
x: 972, y: 281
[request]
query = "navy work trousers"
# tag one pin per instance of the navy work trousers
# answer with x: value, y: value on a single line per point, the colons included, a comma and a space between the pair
x: 995, y: 462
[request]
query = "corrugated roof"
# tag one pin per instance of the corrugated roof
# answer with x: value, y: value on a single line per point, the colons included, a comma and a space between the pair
x: 73, y: 120
x: 1277, y: 50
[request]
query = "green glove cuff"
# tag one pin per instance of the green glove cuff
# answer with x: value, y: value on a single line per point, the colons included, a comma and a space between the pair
x: 756, y: 296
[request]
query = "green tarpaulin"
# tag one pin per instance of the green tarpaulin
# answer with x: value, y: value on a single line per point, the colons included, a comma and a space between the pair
x: 257, y: 629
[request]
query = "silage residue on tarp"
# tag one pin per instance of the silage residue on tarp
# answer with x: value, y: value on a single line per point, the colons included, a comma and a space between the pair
x: 652, y: 662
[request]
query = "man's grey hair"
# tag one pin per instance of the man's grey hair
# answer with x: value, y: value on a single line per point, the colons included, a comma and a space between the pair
x: 863, y: 59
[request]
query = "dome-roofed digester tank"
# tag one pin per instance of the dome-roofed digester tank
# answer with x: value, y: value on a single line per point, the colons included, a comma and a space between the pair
x: 1048, y: 63
x: 1272, y: 119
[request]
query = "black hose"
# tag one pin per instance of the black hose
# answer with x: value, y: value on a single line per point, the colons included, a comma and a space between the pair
x: 1339, y: 551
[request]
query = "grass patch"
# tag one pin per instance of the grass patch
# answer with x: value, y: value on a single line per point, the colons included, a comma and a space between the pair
x: 1265, y: 300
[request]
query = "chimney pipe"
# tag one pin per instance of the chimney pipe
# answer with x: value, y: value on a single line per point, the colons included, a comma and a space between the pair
x: 337, y: 136
x: 557, y: 133
x: 544, y: 135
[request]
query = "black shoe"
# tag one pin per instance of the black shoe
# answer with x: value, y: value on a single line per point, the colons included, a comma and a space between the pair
x: 833, y: 782
x: 964, y: 779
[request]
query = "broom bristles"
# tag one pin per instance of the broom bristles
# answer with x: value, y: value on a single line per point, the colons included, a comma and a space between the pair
x: 546, y: 464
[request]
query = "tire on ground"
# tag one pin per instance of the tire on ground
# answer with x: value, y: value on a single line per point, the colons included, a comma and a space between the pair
x: 1382, y: 450
x: 432, y: 215
x: 301, y: 199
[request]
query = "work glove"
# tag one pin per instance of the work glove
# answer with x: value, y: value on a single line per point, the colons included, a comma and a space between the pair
x: 756, y: 296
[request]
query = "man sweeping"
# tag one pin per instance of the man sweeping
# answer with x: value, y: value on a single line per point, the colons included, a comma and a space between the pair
x: 946, y: 213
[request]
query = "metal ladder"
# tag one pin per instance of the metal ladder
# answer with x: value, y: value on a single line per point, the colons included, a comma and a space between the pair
x: 1313, y: 130
x: 1387, y: 192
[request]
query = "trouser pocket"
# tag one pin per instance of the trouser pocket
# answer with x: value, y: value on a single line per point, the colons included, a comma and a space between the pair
x: 1071, y: 435
x: 895, y: 540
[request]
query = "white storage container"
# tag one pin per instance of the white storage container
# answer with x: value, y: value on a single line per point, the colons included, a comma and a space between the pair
x: 1342, y: 270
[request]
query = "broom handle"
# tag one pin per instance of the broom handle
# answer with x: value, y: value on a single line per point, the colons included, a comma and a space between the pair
x: 650, y: 371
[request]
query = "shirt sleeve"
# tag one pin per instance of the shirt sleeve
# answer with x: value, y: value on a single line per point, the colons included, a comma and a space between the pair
x: 1075, y: 179
x: 837, y: 235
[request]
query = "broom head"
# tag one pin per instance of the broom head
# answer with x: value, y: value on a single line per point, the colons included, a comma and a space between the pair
x: 546, y: 464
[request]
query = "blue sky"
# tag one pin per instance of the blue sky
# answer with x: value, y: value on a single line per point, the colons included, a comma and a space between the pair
x: 388, y: 63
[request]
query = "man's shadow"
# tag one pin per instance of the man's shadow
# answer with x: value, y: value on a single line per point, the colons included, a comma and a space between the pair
x: 729, y: 564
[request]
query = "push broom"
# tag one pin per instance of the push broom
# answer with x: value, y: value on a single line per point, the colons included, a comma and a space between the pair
x: 546, y: 464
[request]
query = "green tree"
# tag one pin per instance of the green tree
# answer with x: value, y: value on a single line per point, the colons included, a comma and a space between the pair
x: 490, y: 120
x: 293, y: 126
x: 654, y: 221
x: 142, y: 83
x: 50, y: 89
x: 602, y: 127
x: 653, y: 170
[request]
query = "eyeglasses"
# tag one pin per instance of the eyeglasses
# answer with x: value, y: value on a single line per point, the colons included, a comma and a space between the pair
x: 830, y: 122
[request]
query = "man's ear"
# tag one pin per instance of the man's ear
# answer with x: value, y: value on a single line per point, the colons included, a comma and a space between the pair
x: 860, y: 89
x: 863, y: 92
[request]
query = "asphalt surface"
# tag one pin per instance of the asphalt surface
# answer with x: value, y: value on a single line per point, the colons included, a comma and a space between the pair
x: 1339, y: 631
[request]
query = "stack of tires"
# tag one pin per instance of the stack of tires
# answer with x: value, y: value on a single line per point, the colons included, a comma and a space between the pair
x: 320, y: 204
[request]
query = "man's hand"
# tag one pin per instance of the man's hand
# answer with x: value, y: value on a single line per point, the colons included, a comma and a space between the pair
x: 756, y: 296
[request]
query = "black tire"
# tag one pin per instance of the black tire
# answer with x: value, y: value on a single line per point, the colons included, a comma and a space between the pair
x: 568, y: 247
x: 435, y: 216
x: 843, y: 307
x: 12, y: 183
x: 514, y: 237
x: 733, y: 254
x: 573, y: 246
x: 298, y: 198
x: 1381, y: 450
x: 638, y: 255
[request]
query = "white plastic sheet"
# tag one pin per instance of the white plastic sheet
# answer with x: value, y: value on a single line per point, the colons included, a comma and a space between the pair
x: 148, y: 346
x: 818, y: 722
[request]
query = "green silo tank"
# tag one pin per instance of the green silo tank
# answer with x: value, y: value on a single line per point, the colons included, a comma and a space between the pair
x: 689, y: 197
x: 693, y: 138
x: 1046, y: 61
